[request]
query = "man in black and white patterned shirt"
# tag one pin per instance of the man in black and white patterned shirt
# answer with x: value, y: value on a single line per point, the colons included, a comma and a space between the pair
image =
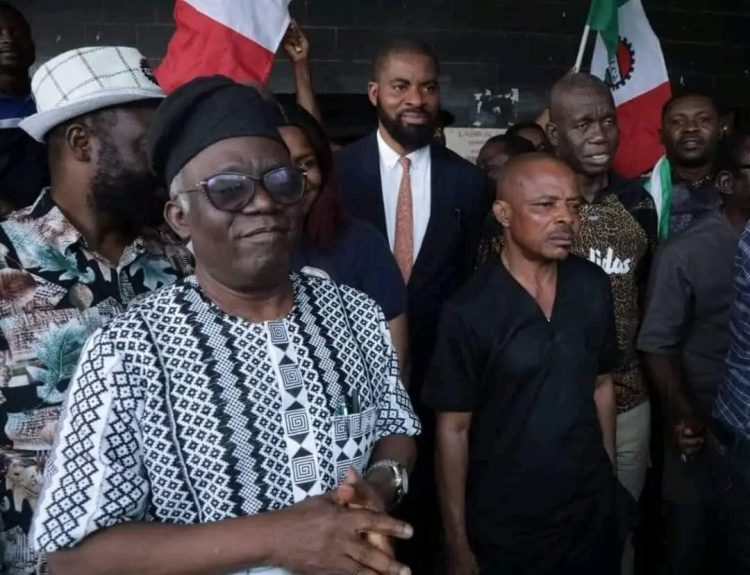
x: 214, y: 426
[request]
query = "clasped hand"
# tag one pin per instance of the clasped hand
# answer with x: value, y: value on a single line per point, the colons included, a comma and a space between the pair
x: 342, y: 532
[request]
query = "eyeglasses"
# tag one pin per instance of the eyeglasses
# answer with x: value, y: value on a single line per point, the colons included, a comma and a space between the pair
x: 233, y: 191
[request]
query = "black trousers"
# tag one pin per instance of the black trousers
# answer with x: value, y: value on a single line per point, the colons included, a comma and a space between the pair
x: 689, y: 515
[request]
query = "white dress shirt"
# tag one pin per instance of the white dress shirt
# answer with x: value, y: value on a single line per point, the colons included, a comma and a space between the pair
x: 421, y: 189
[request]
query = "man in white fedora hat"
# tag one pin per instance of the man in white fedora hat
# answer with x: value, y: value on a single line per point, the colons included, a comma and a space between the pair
x: 78, y: 256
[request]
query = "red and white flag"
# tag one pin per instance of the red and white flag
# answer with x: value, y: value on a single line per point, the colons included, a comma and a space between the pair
x: 234, y: 38
x: 637, y: 74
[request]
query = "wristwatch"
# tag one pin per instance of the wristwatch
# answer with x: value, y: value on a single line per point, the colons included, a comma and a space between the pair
x: 400, y: 476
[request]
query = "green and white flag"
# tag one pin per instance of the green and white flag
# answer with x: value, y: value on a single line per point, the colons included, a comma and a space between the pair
x: 604, y: 19
x: 660, y: 188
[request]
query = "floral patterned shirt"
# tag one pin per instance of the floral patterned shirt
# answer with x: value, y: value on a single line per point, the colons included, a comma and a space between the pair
x: 54, y: 292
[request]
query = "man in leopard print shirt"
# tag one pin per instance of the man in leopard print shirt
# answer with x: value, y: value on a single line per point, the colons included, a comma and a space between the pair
x: 618, y: 232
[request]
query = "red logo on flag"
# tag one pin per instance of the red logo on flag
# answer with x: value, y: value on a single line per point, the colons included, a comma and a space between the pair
x: 622, y: 66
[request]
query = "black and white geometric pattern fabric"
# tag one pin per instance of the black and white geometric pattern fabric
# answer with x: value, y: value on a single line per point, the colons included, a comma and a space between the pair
x: 180, y: 413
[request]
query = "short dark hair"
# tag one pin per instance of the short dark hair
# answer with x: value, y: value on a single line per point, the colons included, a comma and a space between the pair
x: 514, y: 144
x: 403, y: 45
x: 516, y: 129
x: 688, y: 94
x: 727, y: 157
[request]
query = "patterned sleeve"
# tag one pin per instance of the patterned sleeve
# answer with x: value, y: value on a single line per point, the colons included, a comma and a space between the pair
x: 395, y: 412
x: 95, y: 478
x: 732, y: 399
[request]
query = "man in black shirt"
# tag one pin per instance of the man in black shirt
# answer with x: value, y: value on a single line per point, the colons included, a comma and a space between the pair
x: 520, y: 380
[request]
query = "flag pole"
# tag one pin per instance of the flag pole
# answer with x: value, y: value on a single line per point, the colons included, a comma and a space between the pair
x: 582, y: 48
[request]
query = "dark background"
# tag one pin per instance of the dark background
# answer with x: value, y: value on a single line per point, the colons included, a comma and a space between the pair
x: 483, y: 44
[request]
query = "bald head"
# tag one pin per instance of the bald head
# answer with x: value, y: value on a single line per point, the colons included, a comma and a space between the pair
x: 521, y: 170
x: 568, y: 88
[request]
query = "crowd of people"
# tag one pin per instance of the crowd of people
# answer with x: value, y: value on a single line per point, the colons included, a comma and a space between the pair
x: 227, y: 346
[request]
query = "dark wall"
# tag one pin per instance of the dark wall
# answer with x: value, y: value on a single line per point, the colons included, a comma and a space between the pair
x: 495, y: 44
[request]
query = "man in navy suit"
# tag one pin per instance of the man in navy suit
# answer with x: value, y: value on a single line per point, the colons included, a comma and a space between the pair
x: 430, y: 204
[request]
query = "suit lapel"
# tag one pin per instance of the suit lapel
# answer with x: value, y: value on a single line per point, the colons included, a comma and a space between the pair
x: 440, y: 203
x: 372, y: 208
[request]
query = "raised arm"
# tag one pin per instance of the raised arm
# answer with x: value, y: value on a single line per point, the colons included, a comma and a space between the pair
x: 297, y: 49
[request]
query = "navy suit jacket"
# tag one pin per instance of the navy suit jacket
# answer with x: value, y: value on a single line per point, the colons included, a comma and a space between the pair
x: 461, y: 197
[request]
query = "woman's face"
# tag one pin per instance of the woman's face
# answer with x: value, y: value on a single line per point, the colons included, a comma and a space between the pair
x: 303, y: 156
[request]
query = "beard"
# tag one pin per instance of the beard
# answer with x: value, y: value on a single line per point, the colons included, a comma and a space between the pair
x: 410, y: 136
x: 129, y: 198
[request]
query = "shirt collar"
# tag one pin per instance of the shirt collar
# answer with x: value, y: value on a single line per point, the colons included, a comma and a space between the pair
x: 614, y: 183
x: 389, y: 157
x: 51, y: 224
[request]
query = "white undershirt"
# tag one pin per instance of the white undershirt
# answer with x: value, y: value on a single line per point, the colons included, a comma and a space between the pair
x: 421, y: 189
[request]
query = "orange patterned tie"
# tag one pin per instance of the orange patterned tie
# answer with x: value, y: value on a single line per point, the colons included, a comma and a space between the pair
x: 403, y: 244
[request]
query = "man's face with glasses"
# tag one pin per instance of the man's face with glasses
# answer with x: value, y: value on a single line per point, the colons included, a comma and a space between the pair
x: 245, y: 206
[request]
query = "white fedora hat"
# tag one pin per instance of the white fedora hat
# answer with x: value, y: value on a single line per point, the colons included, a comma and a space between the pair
x: 88, y: 79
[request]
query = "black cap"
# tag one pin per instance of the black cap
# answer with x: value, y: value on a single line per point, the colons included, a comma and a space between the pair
x: 202, y: 112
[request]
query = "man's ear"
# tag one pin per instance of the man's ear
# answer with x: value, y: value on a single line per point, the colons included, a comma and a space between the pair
x: 725, y: 182
x: 80, y: 141
x: 372, y: 92
x: 502, y: 212
x: 176, y: 216
x: 552, y: 133
x: 661, y: 136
